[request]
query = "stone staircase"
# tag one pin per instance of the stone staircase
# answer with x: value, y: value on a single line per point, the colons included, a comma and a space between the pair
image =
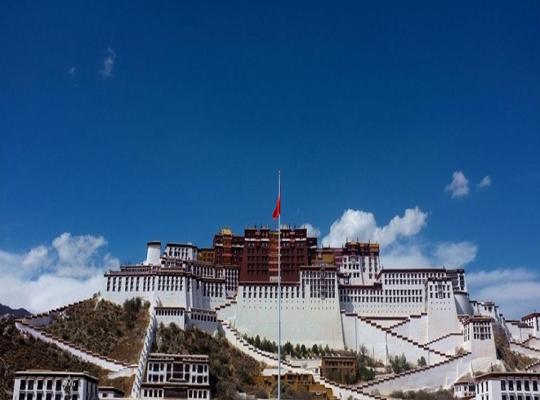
x: 39, y: 333
x: 389, y: 331
x: 416, y: 374
x: 524, y: 349
x: 270, y: 359
x: 147, y: 346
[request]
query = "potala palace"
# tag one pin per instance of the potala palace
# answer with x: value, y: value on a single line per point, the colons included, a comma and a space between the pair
x: 340, y: 297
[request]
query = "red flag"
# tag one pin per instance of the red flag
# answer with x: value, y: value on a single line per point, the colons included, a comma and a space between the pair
x: 277, y: 210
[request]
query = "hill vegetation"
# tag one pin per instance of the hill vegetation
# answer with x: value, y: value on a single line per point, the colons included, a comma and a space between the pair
x: 18, y: 353
x: 423, y: 395
x: 513, y: 361
x: 105, y: 328
x: 230, y: 370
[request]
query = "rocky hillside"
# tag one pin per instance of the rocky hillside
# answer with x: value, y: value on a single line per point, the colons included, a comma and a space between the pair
x: 230, y: 370
x: 105, y: 328
x: 20, y: 353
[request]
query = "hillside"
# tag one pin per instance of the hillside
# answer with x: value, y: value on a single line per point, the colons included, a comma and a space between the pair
x: 20, y: 353
x: 230, y: 370
x: 105, y: 328
x: 513, y: 361
x: 16, y: 312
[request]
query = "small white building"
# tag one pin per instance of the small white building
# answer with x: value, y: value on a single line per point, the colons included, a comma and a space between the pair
x: 176, y: 376
x: 533, y: 321
x: 464, y: 387
x: 508, y: 386
x: 54, y: 385
x: 181, y: 251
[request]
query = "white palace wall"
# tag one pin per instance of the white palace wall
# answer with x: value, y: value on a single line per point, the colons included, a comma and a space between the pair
x: 305, y: 320
x: 171, y: 290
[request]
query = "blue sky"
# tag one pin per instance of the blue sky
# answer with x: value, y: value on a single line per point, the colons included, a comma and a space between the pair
x: 130, y: 121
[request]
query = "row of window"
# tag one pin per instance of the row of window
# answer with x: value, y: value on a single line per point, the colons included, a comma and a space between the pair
x: 48, y: 384
x: 46, y: 396
x: 512, y: 396
x: 526, y: 385
x: 379, y: 299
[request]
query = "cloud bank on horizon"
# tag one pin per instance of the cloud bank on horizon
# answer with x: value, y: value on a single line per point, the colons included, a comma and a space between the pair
x: 48, y: 276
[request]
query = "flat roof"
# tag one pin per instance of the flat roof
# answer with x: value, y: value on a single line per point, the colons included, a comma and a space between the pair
x: 195, y: 357
x: 510, y: 374
x: 45, y: 372
x: 176, y: 244
x: 531, y: 315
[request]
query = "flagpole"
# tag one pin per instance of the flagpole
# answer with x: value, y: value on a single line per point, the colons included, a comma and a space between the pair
x: 279, y: 289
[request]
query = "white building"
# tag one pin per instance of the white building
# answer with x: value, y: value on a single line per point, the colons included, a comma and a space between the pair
x: 181, y: 251
x: 176, y: 376
x: 54, y: 385
x: 508, y: 386
x: 533, y: 321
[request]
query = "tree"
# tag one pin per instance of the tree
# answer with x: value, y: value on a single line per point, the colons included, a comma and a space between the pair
x: 315, y: 349
x: 399, y: 364
x: 422, y: 362
x: 288, y: 348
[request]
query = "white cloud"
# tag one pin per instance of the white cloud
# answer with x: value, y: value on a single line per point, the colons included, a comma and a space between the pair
x: 515, y: 290
x: 312, y: 231
x: 72, y: 71
x: 406, y: 256
x: 459, y: 187
x: 36, y: 257
x: 455, y: 254
x: 47, y: 291
x: 107, y: 69
x: 45, y: 277
x: 442, y: 254
x: 485, y: 182
x: 410, y: 224
x: 361, y: 225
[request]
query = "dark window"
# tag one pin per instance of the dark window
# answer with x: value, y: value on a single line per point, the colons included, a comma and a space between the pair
x: 30, y: 385
x: 503, y: 385
x: 23, y: 384
x: 49, y: 385
x: 40, y: 385
x: 535, y: 386
x: 527, y: 388
x: 48, y: 396
x: 58, y: 385
x: 518, y: 385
